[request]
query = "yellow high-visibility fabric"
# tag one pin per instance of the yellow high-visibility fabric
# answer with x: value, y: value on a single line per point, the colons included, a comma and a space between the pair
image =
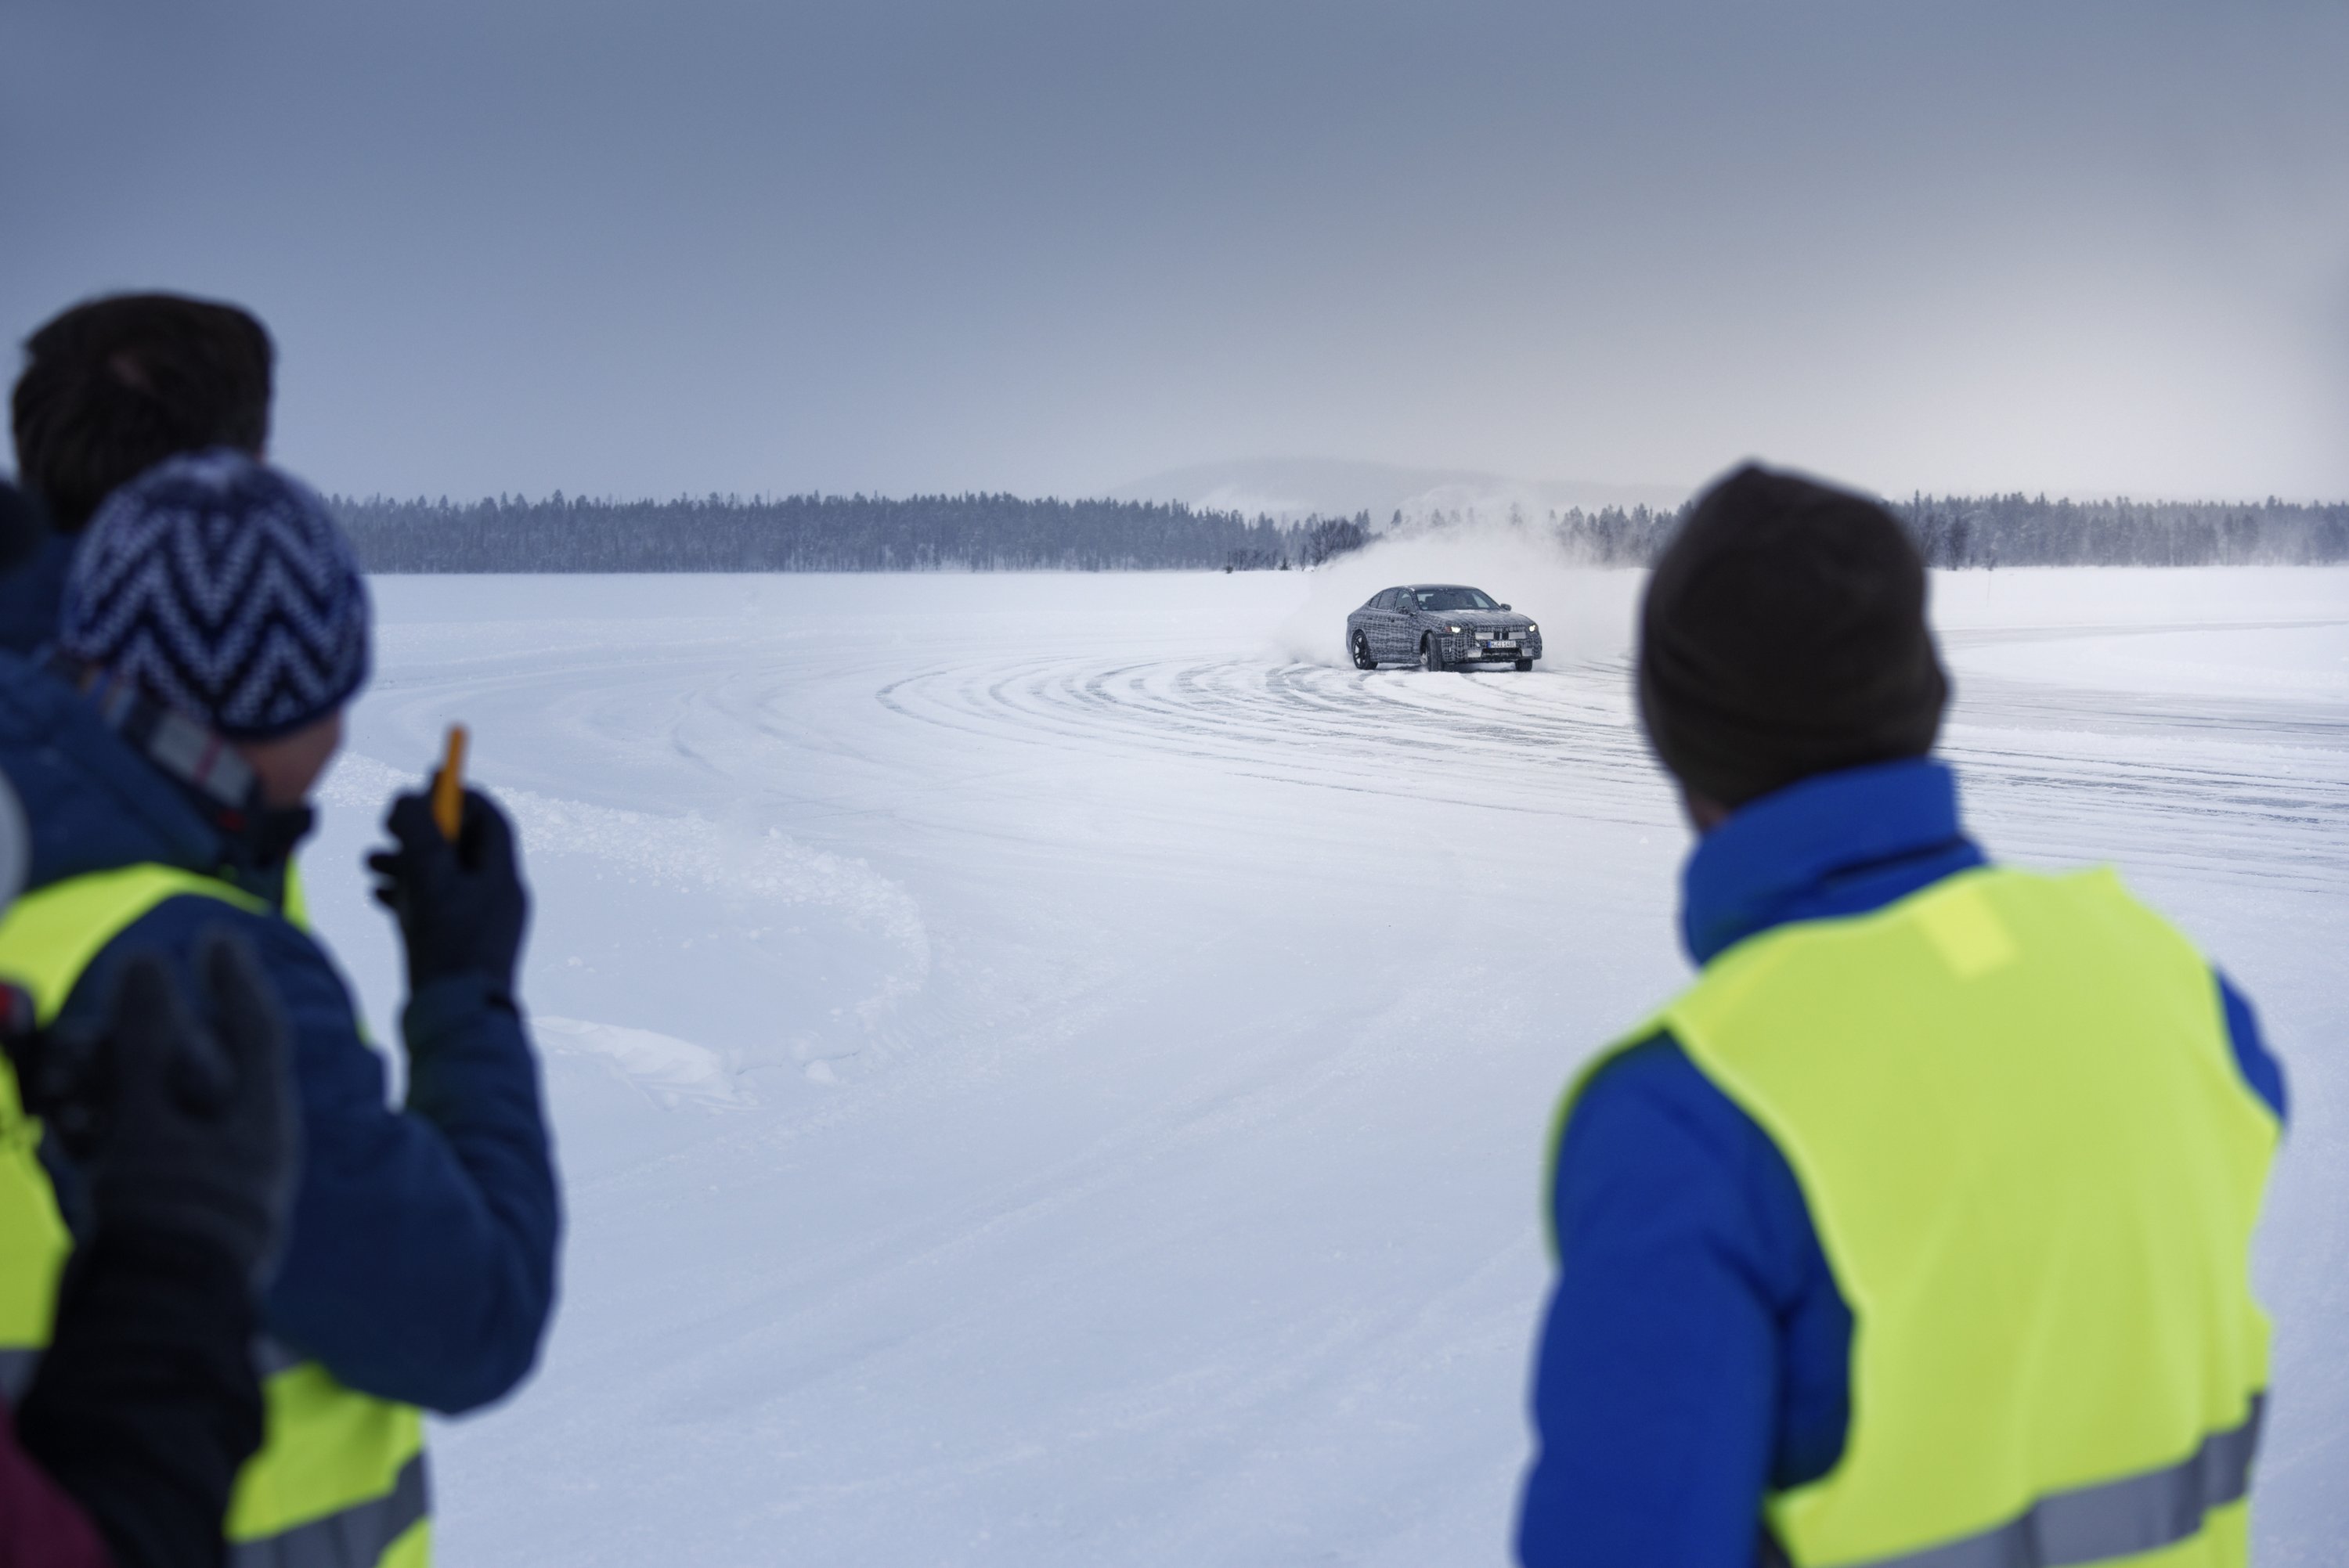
x: 50, y: 937
x: 327, y: 1449
x: 32, y: 1238
x: 77, y: 920
x: 350, y: 1449
x: 2018, y: 1125
x: 411, y: 1548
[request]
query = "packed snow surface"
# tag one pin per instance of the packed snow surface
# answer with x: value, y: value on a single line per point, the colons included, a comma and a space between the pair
x: 1054, y: 1069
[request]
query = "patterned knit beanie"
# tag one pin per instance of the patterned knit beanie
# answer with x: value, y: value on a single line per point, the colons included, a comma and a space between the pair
x: 223, y: 590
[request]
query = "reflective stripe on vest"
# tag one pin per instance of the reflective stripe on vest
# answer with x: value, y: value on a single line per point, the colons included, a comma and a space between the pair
x: 339, y: 1481
x: 2016, y: 1120
x: 2115, y: 1519
x: 17, y: 1364
x: 391, y: 1530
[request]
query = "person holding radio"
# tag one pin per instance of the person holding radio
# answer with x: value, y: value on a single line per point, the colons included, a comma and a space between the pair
x: 213, y: 627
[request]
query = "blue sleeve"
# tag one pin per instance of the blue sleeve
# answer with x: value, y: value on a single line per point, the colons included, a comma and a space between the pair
x: 2259, y: 1068
x: 474, y: 1078
x: 1695, y: 1352
x: 420, y: 1264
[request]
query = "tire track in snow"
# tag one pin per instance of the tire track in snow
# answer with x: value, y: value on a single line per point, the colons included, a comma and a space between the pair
x: 2191, y: 783
x: 1317, y: 726
x: 694, y: 855
x: 690, y: 854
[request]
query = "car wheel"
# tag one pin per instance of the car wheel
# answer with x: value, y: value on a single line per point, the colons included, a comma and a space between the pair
x: 1525, y: 664
x: 1362, y: 660
x: 1429, y: 656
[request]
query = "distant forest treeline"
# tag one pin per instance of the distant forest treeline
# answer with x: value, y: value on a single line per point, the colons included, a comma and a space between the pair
x: 2024, y: 530
x: 1007, y: 533
x: 828, y: 533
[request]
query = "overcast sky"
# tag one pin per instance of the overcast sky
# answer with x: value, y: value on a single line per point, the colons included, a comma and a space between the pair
x: 945, y: 244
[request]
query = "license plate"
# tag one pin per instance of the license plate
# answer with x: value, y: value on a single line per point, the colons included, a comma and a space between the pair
x: 1506, y: 643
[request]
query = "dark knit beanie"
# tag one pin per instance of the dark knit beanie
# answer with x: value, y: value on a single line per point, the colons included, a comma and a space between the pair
x: 1784, y: 634
x: 222, y: 589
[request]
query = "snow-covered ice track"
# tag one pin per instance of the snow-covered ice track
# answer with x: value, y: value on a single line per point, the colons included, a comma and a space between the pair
x: 1045, y: 1077
x: 2209, y: 784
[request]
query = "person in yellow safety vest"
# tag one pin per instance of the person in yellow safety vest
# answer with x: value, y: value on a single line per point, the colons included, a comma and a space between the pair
x: 1915, y: 1233
x: 122, y: 1451
x: 215, y: 627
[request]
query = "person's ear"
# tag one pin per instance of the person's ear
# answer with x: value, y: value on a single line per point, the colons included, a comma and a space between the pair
x: 1704, y: 813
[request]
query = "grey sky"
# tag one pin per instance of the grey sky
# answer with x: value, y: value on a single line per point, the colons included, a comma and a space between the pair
x: 907, y: 244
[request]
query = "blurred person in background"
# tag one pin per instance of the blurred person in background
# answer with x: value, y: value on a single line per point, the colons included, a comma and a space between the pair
x: 110, y: 388
x: 214, y: 628
x: 1918, y: 1231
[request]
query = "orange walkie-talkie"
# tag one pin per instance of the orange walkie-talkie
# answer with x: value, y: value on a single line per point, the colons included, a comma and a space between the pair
x: 448, y: 788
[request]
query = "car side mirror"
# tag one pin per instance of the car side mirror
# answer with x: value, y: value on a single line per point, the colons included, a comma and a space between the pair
x: 1505, y: 607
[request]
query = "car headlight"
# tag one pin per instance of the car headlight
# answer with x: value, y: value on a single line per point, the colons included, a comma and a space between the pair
x: 1531, y: 627
x: 1454, y: 630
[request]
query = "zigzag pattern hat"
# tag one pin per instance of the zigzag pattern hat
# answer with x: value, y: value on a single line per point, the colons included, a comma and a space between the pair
x: 222, y: 589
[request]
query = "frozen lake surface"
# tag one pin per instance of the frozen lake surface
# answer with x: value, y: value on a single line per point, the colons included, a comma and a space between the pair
x: 1046, y: 1074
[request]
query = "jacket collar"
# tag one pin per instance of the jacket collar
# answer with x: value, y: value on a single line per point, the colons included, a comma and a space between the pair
x: 96, y: 802
x: 1833, y: 844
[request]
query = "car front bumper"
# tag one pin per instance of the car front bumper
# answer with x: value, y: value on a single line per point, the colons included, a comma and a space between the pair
x: 1468, y: 649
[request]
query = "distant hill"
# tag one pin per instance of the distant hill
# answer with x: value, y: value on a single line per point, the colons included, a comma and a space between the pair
x: 1288, y: 488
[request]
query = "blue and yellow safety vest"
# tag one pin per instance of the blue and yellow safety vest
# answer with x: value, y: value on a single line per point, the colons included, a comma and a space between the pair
x: 339, y: 1481
x: 2014, y: 1114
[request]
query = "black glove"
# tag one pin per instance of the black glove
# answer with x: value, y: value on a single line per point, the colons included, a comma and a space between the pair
x: 179, y: 1125
x: 462, y: 906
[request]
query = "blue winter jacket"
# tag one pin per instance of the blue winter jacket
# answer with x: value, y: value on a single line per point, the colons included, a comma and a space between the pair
x: 1697, y: 1351
x: 33, y: 592
x: 420, y: 1265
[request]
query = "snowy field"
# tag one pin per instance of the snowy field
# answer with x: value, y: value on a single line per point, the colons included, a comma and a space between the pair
x: 1047, y: 1074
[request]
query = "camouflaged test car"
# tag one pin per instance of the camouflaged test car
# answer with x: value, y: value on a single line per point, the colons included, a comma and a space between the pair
x: 1440, y: 626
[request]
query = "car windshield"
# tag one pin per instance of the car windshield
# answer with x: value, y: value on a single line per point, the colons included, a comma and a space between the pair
x: 1452, y: 599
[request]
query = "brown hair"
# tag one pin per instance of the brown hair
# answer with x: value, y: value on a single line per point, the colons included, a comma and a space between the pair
x: 114, y: 385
